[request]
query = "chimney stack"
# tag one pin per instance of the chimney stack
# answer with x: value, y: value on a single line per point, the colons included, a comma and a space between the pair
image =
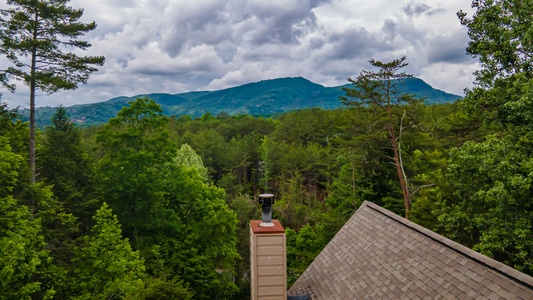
x: 268, y: 255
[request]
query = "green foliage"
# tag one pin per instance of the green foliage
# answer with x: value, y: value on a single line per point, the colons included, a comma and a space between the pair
x: 67, y: 168
x: 208, y: 143
x: 21, y: 249
x: 22, y: 245
x: 265, y: 163
x: 193, y: 237
x: 347, y: 190
x: 245, y: 210
x: 241, y: 159
x: 12, y: 128
x: 165, y: 203
x: 305, y: 126
x: 9, y: 167
x: 106, y: 265
x: 486, y: 203
x: 158, y: 288
x: 186, y: 157
x: 302, y: 248
x: 501, y: 38
x: 484, y: 200
x: 136, y: 147
x: 138, y: 128
x: 190, y: 211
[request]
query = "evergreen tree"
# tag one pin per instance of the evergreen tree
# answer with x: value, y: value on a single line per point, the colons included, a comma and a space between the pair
x: 32, y: 35
x: 380, y: 92
x: 67, y: 168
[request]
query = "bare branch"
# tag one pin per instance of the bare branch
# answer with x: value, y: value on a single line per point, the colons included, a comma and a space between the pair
x: 421, y: 187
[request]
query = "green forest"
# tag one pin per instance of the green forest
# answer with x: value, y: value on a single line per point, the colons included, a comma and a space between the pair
x: 148, y: 206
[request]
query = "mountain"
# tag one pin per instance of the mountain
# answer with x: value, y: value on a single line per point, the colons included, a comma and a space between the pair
x: 265, y: 97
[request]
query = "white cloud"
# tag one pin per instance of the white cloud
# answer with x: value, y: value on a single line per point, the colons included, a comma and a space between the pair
x: 180, y: 45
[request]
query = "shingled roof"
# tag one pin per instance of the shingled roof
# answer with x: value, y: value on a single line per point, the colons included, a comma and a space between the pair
x: 379, y: 255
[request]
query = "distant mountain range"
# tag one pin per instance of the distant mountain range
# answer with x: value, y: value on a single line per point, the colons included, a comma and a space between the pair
x: 265, y: 97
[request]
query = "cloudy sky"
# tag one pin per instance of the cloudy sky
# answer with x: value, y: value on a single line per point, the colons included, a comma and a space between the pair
x: 173, y: 46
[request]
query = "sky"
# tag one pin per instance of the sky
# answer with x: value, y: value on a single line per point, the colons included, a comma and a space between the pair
x: 174, y: 46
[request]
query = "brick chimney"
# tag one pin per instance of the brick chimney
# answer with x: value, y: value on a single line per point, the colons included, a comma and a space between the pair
x: 268, y: 262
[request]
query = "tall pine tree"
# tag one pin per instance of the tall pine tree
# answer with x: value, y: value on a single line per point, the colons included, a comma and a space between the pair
x: 34, y: 37
x: 381, y: 93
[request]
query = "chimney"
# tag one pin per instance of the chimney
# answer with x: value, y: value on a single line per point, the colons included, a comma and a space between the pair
x: 268, y: 255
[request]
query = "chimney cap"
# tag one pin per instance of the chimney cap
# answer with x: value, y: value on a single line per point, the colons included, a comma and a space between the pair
x: 266, y: 201
x: 266, y: 195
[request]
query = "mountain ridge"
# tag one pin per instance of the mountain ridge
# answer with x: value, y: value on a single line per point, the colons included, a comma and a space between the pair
x: 265, y: 97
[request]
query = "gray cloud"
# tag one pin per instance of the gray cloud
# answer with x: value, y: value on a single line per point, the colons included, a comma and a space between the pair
x: 278, y: 21
x: 317, y: 3
x: 415, y: 9
x: 174, y: 46
x: 226, y: 51
x: 194, y: 23
x: 389, y: 29
x: 355, y: 43
x: 449, y: 48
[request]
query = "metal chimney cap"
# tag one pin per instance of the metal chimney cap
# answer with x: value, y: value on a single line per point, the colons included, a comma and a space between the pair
x: 266, y: 201
x: 266, y: 195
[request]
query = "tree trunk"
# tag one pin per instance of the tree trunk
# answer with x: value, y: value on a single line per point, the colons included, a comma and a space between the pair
x: 399, y: 169
x: 32, y: 132
x: 396, y: 150
x: 32, y: 102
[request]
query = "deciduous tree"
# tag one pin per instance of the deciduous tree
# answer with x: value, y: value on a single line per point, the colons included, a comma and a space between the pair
x: 188, y: 158
x: 136, y: 146
x: 106, y: 265
x: 165, y: 203
x: 485, y: 200
x: 22, y: 245
x: 501, y: 37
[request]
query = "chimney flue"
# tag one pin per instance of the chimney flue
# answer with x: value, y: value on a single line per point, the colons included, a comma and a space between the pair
x: 266, y: 201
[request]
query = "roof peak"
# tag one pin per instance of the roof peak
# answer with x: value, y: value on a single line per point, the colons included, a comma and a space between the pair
x: 378, y: 254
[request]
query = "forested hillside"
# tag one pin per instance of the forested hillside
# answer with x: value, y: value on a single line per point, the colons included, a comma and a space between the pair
x: 150, y: 206
x: 264, y: 98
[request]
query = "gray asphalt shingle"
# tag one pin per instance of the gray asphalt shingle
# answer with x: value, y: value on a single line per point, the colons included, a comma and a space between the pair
x: 379, y: 255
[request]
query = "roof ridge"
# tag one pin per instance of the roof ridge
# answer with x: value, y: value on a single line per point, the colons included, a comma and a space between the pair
x: 496, y: 266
